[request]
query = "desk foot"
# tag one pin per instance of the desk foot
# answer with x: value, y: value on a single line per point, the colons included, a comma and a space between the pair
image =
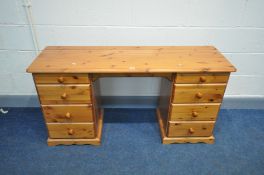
x: 171, y: 140
x: 93, y: 141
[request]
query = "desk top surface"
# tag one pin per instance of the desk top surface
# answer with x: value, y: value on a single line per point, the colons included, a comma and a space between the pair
x: 130, y: 59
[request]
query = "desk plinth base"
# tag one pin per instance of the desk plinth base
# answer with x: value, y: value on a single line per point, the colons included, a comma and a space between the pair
x: 171, y: 140
x: 93, y: 141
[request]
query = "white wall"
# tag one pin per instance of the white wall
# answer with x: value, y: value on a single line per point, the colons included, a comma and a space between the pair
x: 235, y: 27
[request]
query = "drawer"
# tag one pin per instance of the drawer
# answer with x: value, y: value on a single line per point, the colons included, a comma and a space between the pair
x: 74, y: 130
x: 181, y: 112
x: 64, y: 94
x: 195, y: 93
x: 61, y: 78
x: 197, y: 78
x: 192, y: 128
x: 68, y: 113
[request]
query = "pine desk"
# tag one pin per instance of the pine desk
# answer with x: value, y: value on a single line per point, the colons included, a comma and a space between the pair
x: 193, y: 85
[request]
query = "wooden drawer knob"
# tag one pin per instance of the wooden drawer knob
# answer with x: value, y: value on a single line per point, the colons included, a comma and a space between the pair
x: 191, y: 130
x: 68, y: 115
x: 195, y: 114
x: 64, y: 96
x: 199, y: 95
x: 60, y: 79
x: 202, y: 79
x: 70, y: 131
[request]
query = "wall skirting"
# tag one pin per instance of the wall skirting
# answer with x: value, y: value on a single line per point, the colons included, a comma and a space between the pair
x: 230, y: 102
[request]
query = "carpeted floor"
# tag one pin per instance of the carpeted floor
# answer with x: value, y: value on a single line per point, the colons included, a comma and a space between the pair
x: 131, y: 145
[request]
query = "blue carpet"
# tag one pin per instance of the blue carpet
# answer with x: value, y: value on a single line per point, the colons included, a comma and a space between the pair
x: 131, y: 145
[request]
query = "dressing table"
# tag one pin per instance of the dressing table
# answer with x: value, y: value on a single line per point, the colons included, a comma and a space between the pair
x: 194, y: 79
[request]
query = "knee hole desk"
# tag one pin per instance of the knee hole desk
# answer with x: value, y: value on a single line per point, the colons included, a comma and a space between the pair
x: 193, y: 85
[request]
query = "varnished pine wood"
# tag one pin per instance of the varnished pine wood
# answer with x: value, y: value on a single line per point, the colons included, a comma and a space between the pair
x: 171, y: 140
x: 142, y: 59
x: 198, y: 112
x: 195, y: 93
x: 64, y: 94
x: 96, y: 76
x: 201, y: 78
x: 96, y: 98
x: 68, y: 113
x: 91, y: 141
x: 71, y: 130
x: 190, y: 128
x: 165, y: 99
x: 61, y: 78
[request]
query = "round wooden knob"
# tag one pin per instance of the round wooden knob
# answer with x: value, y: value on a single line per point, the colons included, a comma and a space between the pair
x: 68, y: 115
x: 61, y: 80
x: 195, y: 114
x: 199, y: 95
x: 70, y: 131
x: 64, y: 96
x: 202, y: 79
x: 191, y: 130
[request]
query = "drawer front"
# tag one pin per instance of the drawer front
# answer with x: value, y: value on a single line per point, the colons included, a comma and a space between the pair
x: 68, y: 113
x: 193, y: 93
x: 61, y: 78
x: 78, y: 131
x: 190, y: 128
x: 182, y: 112
x: 64, y: 94
x: 197, y: 78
